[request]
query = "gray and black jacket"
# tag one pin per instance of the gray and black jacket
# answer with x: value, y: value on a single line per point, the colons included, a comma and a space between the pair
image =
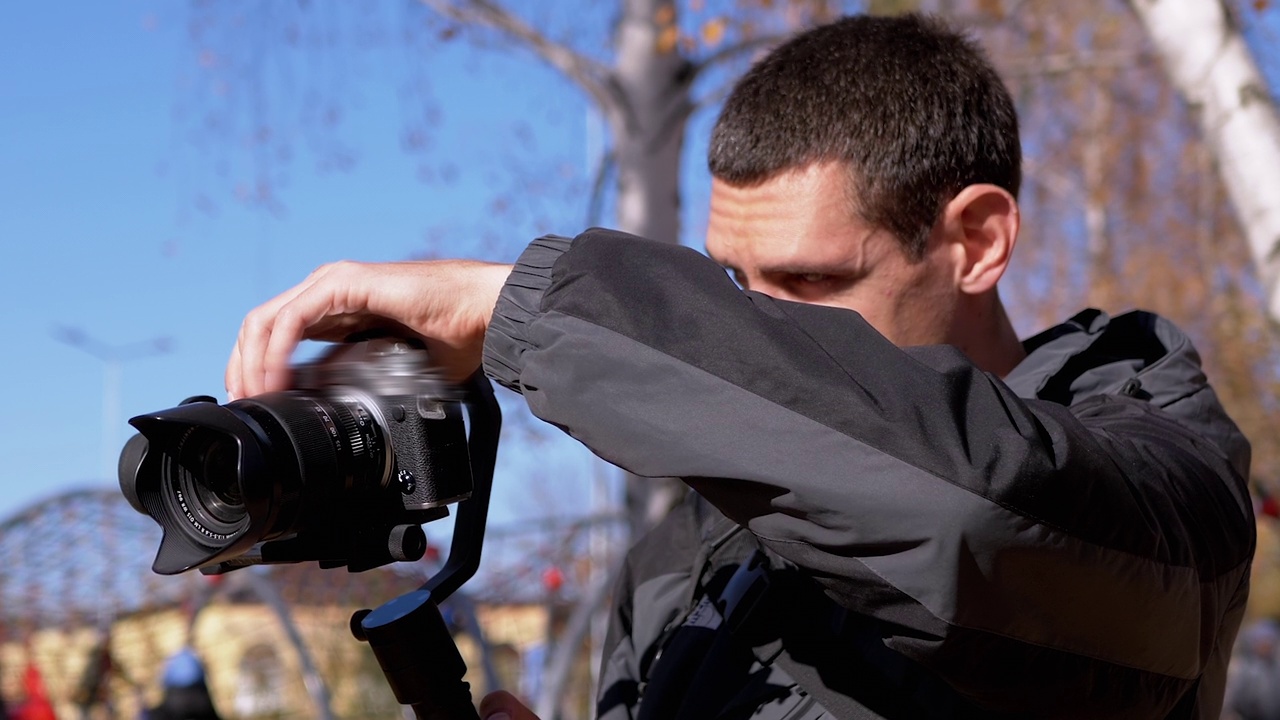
x: 1071, y: 541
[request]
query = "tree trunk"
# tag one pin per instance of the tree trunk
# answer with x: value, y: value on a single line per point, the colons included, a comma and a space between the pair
x: 1212, y: 67
x: 651, y: 80
x: 646, y: 114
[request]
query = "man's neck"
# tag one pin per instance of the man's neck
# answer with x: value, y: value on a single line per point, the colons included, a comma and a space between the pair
x: 987, y: 337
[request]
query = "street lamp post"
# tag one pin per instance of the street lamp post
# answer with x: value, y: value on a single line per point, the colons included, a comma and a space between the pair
x: 113, y: 358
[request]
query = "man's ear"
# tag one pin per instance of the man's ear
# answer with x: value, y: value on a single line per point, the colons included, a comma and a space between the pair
x: 983, y: 222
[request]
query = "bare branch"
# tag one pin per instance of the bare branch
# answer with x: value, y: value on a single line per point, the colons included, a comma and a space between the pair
x: 1063, y: 63
x: 595, y: 208
x: 730, y: 52
x: 566, y: 648
x: 711, y: 98
x: 988, y: 20
x: 588, y: 74
x: 1060, y: 184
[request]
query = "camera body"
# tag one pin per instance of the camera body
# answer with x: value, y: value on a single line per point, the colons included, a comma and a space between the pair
x: 342, y: 469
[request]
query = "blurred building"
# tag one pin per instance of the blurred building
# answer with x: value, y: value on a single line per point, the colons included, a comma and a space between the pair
x: 79, y: 603
x: 254, y: 669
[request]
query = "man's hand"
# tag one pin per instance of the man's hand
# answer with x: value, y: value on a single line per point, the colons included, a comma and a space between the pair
x: 502, y: 705
x: 446, y: 303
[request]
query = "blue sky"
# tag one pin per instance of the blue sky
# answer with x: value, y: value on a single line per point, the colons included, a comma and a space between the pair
x: 99, y: 231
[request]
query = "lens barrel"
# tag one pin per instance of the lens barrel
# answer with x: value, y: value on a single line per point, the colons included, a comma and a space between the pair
x: 220, y: 479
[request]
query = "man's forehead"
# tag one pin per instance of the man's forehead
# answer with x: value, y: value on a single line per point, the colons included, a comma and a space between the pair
x: 796, y: 224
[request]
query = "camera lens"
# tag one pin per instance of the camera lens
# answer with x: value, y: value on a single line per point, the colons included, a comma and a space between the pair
x: 219, y: 486
x: 203, y: 486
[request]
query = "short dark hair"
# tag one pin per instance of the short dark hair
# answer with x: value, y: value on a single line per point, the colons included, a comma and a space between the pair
x: 913, y: 107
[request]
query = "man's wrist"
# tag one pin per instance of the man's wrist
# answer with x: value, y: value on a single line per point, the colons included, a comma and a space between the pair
x: 491, y: 279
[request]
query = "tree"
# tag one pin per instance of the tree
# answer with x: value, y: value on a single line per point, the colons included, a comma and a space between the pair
x: 1211, y: 65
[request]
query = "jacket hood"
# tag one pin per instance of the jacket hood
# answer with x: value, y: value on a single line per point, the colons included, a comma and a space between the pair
x: 1138, y: 354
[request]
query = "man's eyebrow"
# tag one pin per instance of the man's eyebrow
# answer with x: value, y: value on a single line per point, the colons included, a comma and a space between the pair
x: 785, y: 269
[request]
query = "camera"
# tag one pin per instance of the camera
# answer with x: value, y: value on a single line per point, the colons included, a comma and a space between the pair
x: 342, y: 469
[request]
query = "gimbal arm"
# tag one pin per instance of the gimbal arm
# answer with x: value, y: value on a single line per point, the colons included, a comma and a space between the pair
x: 408, y: 635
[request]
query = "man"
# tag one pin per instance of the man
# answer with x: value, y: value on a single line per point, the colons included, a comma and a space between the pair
x: 901, y: 511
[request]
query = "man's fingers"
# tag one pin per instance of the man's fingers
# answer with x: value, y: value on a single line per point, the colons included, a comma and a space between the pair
x: 232, y: 378
x: 288, y: 330
x: 327, y: 306
x: 447, y: 303
x: 254, y: 334
x: 246, y: 372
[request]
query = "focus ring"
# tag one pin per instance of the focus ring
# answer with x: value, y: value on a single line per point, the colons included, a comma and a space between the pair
x: 315, y: 440
x: 348, y: 426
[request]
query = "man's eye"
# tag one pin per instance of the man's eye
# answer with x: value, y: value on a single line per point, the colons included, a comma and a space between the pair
x: 813, y: 278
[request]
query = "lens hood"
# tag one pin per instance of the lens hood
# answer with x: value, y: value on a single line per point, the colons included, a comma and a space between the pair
x: 164, y: 485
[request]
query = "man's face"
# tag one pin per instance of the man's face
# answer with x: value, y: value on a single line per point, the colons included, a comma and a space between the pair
x: 796, y: 237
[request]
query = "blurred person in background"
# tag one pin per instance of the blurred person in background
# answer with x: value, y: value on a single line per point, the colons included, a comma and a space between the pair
x: 186, y: 692
x: 36, y: 705
x: 1253, y: 681
x: 94, y: 689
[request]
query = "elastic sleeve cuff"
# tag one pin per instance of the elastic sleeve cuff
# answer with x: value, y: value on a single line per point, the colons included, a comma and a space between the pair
x: 519, y: 304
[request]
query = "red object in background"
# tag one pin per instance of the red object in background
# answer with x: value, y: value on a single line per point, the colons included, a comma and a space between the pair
x: 1270, y: 507
x: 552, y: 579
x: 37, y: 705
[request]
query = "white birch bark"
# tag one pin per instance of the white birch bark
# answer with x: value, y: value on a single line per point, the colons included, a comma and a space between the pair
x: 1206, y: 56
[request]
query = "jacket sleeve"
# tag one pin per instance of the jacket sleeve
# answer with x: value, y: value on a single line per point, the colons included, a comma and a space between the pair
x: 916, y: 488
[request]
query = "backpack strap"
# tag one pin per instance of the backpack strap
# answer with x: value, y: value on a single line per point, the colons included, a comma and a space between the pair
x: 747, y: 605
x: 807, y: 677
x: 840, y: 659
x: 696, y: 668
x: 674, y: 665
x: 751, y: 591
